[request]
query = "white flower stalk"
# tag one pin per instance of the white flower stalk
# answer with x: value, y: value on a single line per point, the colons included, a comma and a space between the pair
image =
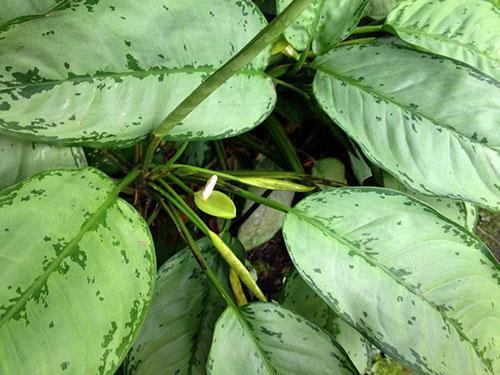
x: 209, y: 188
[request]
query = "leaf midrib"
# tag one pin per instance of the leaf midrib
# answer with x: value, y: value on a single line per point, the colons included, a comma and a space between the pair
x: 372, y: 262
x: 396, y: 103
x: 67, y: 251
x: 76, y: 79
x: 249, y: 332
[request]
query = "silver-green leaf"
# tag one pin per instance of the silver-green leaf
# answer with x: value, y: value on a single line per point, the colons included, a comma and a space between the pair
x: 422, y: 288
x: 77, y: 271
x: 324, y: 23
x: 464, y: 30
x: 301, y: 299
x: 264, y: 338
x: 19, y: 160
x: 177, y: 333
x: 462, y: 213
x: 429, y: 121
x: 65, y: 81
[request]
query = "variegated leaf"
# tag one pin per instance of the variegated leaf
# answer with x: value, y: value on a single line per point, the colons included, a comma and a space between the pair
x: 65, y: 81
x: 422, y: 288
x: 464, y: 30
x: 301, y: 299
x: 264, y: 338
x: 77, y: 270
x: 429, y: 121
x: 178, y: 330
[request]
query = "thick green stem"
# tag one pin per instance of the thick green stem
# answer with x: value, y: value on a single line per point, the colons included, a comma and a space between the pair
x: 197, y: 253
x: 264, y: 38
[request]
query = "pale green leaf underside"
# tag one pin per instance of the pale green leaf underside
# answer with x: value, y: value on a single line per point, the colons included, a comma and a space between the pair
x: 462, y: 213
x: 330, y: 168
x: 423, y: 289
x: 77, y: 273
x: 299, y: 298
x: 324, y: 23
x: 429, y: 121
x: 264, y: 338
x: 177, y: 333
x: 12, y: 9
x: 63, y: 80
x: 464, y: 30
x: 19, y: 160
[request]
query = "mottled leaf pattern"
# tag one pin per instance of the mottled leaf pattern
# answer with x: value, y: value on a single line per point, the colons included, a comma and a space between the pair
x: 264, y: 338
x: 464, y: 30
x: 429, y: 121
x: 462, y: 213
x: 422, y: 288
x: 301, y: 299
x: 19, y: 159
x: 77, y: 272
x: 63, y: 80
x: 178, y: 330
x: 324, y: 23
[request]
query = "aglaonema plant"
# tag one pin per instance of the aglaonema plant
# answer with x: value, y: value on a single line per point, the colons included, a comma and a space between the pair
x: 411, y: 94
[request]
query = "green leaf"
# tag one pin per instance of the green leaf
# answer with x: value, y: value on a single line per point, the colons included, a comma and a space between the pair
x: 77, y: 274
x: 359, y: 166
x: 324, y: 23
x: 379, y: 9
x: 462, y: 213
x: 422, y: 288
x: 299, y: 298
x: 264, y: 338
x: 19, y: 159
x: 330, y: 168
x: 218, y: 204
x: 12, y: 9
x: 177, y: 333
x: 430, y: 122
x: 464, y: 30
x: 118, y: 82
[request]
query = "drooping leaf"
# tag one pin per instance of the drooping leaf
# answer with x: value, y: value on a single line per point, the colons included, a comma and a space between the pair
x: 112, y: 85
x: 77, y: 271
x: 301, y: 299
x: 379, y: 9
x: 324, y: 23
x: 462, y: 213
x: 218, y: 204
x: 264, y: 222
x: 464, y: 30
x: 12, y: 9
x: 431, y: 122
x: 19, y: 159
x: 177, y: 333
x: 264, y: 338
x: 330, y: 168
x: 422, y: 288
